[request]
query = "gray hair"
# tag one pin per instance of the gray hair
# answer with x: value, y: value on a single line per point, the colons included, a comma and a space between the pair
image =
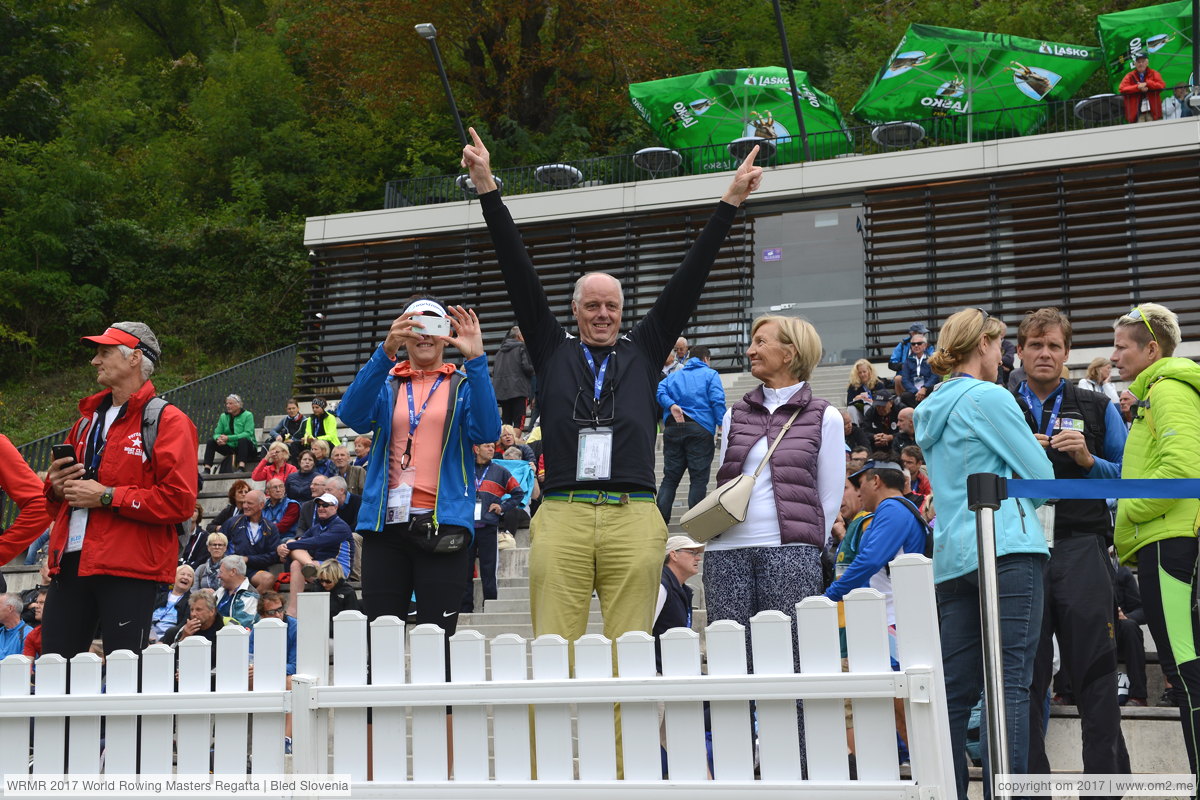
x: 237, y: 399
x: 188, y: 567
x: 578, y: 293
x: 235, y: 563
x: 206, y: 596
x: 341, y: 447
x: 13, y: 601
x: 146, y: 336
x: 337, y: 482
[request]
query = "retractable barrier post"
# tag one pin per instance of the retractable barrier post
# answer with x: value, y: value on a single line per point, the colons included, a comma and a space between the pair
x: 984, y: 493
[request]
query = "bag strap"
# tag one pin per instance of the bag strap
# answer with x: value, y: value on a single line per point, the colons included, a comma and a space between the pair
x: 775, y: 443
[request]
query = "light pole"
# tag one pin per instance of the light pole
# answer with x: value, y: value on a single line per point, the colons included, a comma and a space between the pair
x: 429, y: 33
x: 787, y: 62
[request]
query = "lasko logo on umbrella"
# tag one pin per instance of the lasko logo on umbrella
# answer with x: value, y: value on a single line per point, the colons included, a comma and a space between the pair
x: 767, y: 80
x: 1052, y: 49
x: 1033, y: 81
x: 903, y: 62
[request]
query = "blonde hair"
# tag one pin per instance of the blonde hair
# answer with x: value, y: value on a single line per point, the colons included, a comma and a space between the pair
x: 1093, y: 370
x: 330, y: 571
x: 276, y: 447
x: 217, y: 536
x: 322, y: 444
x: 872, y: 376
x: 959, y: 337
x: 804, y: 339
x: 510, y: 429
x: 1162, y: 320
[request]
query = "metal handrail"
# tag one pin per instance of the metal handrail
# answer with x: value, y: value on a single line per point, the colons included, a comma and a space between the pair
x: 939, y: 130
x: 264, y: 384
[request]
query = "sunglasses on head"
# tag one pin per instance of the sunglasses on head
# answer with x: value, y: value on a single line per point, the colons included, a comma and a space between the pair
x: 1136, y: 313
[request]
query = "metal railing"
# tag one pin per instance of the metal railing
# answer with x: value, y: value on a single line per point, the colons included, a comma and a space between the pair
x: 937, y: 130
x: 264, y: 384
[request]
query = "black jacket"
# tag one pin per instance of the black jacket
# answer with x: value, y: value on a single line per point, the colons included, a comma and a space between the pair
x: 511, y: 370
x: 676, y: 611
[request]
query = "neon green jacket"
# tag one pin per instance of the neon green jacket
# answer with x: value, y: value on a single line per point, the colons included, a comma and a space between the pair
x: 328, y: 426
x: 1164, y: 442
x: 236, y: 428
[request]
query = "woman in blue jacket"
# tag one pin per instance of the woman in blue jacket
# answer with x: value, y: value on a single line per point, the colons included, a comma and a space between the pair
x: 971, y: 424
x: 418, y: 505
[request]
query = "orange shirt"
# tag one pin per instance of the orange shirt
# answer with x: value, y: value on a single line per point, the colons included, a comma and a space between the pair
x: 426, y: 453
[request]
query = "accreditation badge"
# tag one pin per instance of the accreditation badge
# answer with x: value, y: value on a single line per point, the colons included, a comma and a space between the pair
x: 594, y: 458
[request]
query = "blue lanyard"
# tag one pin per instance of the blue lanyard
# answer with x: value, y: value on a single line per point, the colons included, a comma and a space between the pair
x: 1030, y: 399
x: 414, y: 416
x: 597, y: 375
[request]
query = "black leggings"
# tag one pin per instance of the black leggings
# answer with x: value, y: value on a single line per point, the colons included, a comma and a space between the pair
x: 512, y: 412
x: 1167, y: 576
x: 393, y: 569
x: 75, y: 607
x: 246, y: 450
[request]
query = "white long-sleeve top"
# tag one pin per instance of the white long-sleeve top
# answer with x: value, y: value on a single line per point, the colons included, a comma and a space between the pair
x: 761, y: 528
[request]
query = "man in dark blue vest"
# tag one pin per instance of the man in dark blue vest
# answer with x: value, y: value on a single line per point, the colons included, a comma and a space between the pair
x: 674, y: 606
x: 1084, y: 437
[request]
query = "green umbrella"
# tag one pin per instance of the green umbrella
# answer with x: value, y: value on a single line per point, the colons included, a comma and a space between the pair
x: 712, y: 109
x: 1163, y: 32
x: 947, y: 73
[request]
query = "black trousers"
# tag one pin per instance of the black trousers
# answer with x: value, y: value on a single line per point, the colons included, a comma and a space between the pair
x: 1131, y: 651
x: 1080, y: 611
x: 76, y: 607
x: 512, y: 412
x: 393, y: 569
x: 484, y: 547
x: 246, y: 449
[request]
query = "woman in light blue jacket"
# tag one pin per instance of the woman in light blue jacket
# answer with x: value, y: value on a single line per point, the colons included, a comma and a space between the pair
x: 970, y: 424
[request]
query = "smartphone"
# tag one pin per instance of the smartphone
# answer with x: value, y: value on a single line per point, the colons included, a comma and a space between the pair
x: 63, y: 451
x: 434, y: 326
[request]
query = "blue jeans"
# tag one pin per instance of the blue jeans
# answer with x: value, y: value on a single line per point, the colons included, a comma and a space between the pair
x: 31, y: 555
x: 1021, y: 590
x: 685, y: 445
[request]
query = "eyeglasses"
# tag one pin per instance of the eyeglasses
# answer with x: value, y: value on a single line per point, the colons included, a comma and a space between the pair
x: 325, y: 581
x: 918, y: 344
x: 271, y: 612
x: 1136, y: 313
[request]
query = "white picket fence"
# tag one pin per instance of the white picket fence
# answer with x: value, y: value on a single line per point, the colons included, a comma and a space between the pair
x: 519, y: 708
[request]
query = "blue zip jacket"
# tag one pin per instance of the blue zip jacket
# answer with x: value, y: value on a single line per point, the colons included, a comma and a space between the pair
x: 697, y: 390
x: 473, y: 419
x: 965, y: 426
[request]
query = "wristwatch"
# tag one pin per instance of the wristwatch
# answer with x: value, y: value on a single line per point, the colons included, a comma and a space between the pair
x: 106, y: 498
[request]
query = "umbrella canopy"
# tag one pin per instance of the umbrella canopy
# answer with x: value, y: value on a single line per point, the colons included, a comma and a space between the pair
x: 1162, y: 32
x: 712, y: 109
x: 948, y: 73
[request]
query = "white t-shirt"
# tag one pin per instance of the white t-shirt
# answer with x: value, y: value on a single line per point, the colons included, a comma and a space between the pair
x: 79, y: 516
x: 761, y: 528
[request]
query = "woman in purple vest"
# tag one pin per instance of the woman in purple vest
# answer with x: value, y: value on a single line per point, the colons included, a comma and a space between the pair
x: 773, y: 560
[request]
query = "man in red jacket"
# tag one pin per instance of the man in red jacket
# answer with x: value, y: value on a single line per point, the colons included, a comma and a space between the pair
x: 114, y: 537
x: 1140, y: 90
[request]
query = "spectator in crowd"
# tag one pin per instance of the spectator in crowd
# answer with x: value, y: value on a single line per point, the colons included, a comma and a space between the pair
x: 30, y: 595
x: 203, y: 620
x: 518, y: 516
x: 1141, y: 89
x: 237, y: 495
x: 1177, y: 106
x: 256, y: 540
x: 322, y: 541
x: 599, y: 514
x: 1099, y: 379
x: 331, y: 578
x: 857, y: 459
x: 680, y: 355
x: 854, y: 434
x: 308, y: 509
x: 693, y: 402
x: 236, y: 598
x: 510, y: 438
x: 971, y: 420
x: 673, y: 609
x: 171, y: 605
x: 33, y: 640
x: 289, y: 430
x: 271, y: 606
x: 299, y: 483
x: 511, y: 376
x: 233, y: 436
x: 354, y: 476
x: 883, y: 420
x: 917, y: 378
x: 13, y: 629
x: 280, y: 510
x: 208, y: 573
x: 427, y: 414
x: 348, y: 506
x: 773, y: 560
x: 902, y: 349
x: 320, y: 425
x: 1015, y: 378
x: 864, y: 382
x: 194, y: 538
x: 496, y: 493
x: 275, y: 464
x: 906, y: 435
x: 1131, y: 642
x: 322, y: 463
x: 913, y: 462
x: 20, y: 483
x: 1159, y: 535
x: 1084, y: 437
x: 362, y: 451
x: 115, y: 536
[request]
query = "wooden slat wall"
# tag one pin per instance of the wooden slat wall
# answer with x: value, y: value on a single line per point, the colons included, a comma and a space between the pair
x: 1092, y: 240
x: 360, y: 288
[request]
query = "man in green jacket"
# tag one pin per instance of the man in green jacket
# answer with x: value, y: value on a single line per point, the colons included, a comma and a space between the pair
x: 234, y: 435
x: 1159, y: 535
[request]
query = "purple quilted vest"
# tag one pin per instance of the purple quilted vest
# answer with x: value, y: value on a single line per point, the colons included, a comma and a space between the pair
x: 793, y: 464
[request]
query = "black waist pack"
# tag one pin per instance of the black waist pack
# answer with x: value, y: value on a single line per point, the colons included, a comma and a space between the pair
x: 433, y: 538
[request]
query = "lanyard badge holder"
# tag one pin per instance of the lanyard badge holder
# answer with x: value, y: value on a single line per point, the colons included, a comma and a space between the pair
x: 399, y: 502
x: 593, y: 461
